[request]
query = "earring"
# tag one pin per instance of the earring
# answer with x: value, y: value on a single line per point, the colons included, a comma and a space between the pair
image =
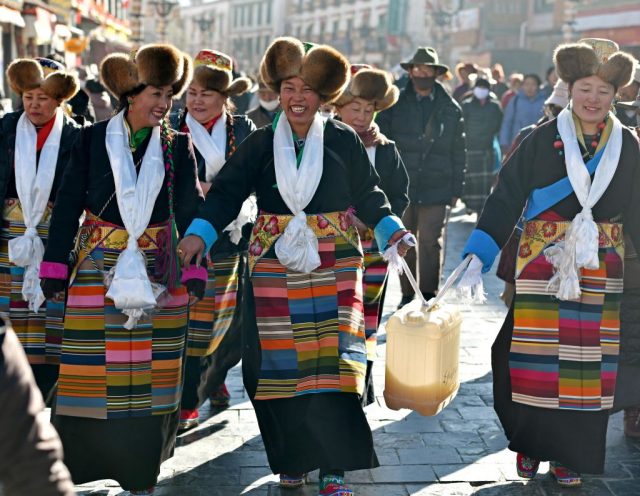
x: 130, y: 102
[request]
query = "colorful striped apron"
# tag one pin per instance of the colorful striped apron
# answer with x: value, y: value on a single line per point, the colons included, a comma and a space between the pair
x: 41, y: 333
x: 211, y: 317
x: 564, y: 354
x: 107, y: 371
x: 311, y: 326
x: 374, y: 279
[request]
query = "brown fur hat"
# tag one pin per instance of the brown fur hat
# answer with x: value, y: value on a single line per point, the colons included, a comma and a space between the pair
x: 591, y: 57
x: 320, y: 66
x: 214, y: 71
x: 373, y: 85
x: 156, y: 65
x: 48, y: 75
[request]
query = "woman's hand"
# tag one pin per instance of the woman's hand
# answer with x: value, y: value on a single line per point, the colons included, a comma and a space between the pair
x: 403, y: 248
x: 189, y: 248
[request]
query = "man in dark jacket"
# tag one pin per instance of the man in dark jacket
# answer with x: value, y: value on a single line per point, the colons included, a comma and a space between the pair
x: 482, y: 119
x: 428, y: 129
x: 268, y: 106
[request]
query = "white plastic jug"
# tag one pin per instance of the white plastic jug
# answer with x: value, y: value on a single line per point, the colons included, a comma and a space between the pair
x: 423, y: 349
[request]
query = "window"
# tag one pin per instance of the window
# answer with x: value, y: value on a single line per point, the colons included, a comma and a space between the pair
x: 269, y: 5
x: 336, y: 27
x: 249, y: 14
x: 259, y: 7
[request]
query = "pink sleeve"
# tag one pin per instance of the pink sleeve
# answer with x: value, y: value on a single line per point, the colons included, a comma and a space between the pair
x: 54, y: 270
x: 194, y: 272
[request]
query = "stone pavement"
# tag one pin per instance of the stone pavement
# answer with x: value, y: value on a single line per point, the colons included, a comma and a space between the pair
x: 460, y: 452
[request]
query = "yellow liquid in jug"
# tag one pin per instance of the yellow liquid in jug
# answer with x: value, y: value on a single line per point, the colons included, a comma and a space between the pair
x: 426, y: 399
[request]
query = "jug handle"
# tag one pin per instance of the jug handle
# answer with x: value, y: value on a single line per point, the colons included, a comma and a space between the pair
x: 455, y: 275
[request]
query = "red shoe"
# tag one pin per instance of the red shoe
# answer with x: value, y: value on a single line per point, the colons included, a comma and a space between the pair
x: 221, y: 398
x: 188, y: 419
x: 565, y: 477
x: 332, y: 485
x: 527, y: 467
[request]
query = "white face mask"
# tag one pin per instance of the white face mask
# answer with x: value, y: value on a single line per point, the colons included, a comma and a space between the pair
x: 269, y: 106
x: 326, y: 115
x: 480, y: 93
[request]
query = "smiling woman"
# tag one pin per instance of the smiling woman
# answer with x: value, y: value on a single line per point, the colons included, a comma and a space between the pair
x: 577, y: 179
x: 36, y: 145
x: 133, y: 182
x: 304, y: 353
x: 213, y: 322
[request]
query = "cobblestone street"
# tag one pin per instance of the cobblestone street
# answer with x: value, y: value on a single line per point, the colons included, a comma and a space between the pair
x: 462, y: 451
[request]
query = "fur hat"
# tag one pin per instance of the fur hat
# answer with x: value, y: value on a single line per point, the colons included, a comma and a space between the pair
x: 48, y: 75
x: 370, y: 84
x: 156, y: 65
x: 592, y: 56
x: 214, y: 70
x: 320, y: 66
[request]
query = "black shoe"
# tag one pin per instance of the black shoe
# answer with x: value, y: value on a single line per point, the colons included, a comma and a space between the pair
x: 405, y: 301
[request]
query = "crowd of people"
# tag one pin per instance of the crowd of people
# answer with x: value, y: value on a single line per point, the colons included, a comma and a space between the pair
x: 147, y: 248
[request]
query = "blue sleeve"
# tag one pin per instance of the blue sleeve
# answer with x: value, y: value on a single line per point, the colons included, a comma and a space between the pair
x: 385, y: 229
x: 205, y: 231
x: 483, y: 246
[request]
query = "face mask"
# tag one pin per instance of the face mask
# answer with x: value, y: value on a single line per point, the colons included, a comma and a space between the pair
x: 630, y: 113
x: 480, y: 93
x: 326, y: 115
x: 269, y: 106
x: 424, y: 83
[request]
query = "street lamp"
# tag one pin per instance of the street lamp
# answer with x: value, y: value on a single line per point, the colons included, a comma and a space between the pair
x: 163, y: 9
x: 204, y: 25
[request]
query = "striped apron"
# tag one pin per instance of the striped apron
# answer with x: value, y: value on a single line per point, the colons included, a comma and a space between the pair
x: 374, y: 279
x: 41, y: 333
x: 564, y: 354
x: 107, y: 371
x: 310, y: 326
x: 211, y: 317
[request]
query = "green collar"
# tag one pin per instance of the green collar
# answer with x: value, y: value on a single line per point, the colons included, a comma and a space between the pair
x: 137, y: 138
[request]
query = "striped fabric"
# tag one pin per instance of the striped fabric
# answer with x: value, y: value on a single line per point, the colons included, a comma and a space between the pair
x: 374, y: 279
x: 311, y: 326
x: 211, y: 317
x: 107, y: 371
x: 564, y: 354
x: 41, y: 333
x: 268, y: 228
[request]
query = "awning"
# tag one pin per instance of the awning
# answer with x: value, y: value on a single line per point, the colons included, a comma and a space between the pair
x: 10, y: 16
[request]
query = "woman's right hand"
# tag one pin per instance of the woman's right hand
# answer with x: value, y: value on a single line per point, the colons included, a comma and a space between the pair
x: 191, y: 247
